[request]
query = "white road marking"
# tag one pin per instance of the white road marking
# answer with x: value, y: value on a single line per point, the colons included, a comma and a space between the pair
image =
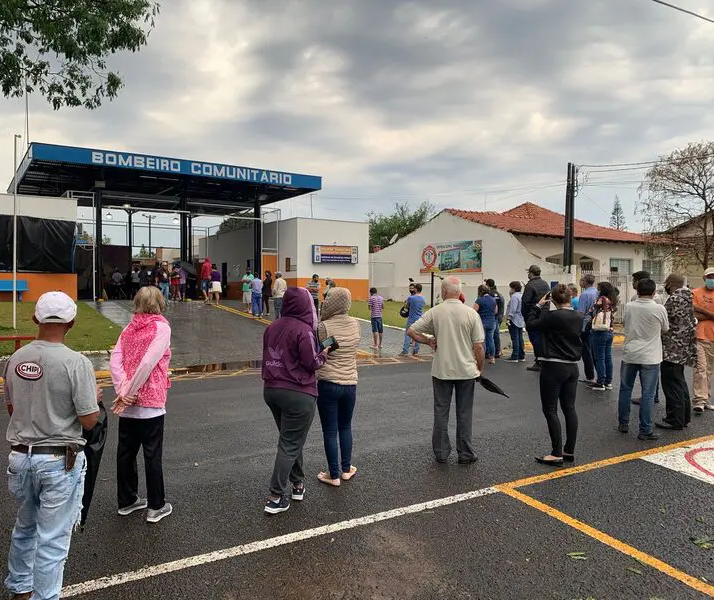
x: 290, y: 538
x: 695, y: 461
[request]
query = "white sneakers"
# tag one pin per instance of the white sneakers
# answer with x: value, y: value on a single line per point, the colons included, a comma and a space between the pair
x: 152, y: 516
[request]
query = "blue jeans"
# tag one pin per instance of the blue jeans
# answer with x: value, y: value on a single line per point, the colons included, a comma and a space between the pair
x: 408, y: 340
x: 256, y: 304
x: 50, y: 503
x: 336, y: 404
x: 518, y: 351
x: 278, y: 304
x: 601, y: 343
x: 489, y: 326
x: 649, y: 380
x: 164, y: 287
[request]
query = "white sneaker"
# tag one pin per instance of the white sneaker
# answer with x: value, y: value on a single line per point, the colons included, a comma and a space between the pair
x: 140, y: 504
x: 154, y: 516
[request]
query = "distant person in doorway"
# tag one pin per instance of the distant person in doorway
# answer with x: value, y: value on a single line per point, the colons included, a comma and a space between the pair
x: 206, y: 280
x: 602, y: 320
x: 247, y: 292
x: 164, y: 279
x: 182, y: 283
x: 313, y: 286
x: 256, y: 290
x: 535, y: 289
x: 704, y: 311
x: 644, y: 323
x: 216, y: 285
x: 337, y: 385
x: 267, y: 292
x: 500, y: 312
x: 679, y: 350
x: 176, y: 284
x: 376, y: 310
x: 516, y: 323
x: 487, y: 309
x: 135, y: 281
x: 585, y: 305
x: 561, y: 347
x: 117, y: 283
x: 144, y: 276
x: 455, y: 334
x: 279, y: 288
x: 290, y: 360
x: 140, y: 374
x: 415, y: 305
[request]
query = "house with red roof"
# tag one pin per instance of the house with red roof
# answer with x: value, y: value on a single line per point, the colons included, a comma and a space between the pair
x: 476, y: 245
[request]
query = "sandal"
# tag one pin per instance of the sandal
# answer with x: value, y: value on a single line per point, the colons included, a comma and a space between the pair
x: 350, y: 474
x: 325, y: 478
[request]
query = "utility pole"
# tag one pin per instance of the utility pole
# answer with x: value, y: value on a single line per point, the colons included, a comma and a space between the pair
x: 568, y: 233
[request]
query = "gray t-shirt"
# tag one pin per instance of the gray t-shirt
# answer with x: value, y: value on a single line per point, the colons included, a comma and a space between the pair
x: 49, y: 387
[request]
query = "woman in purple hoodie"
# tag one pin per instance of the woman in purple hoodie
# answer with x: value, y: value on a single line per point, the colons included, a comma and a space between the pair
x: 291, y: 356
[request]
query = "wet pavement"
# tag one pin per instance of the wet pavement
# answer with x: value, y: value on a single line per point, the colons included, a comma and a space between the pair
x: 219, y: 450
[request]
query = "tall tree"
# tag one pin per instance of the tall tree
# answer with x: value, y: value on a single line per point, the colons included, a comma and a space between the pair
x: 236, y: 223
x: 402, y: 221
x: 144, y: 253
x: 677, y: 202
x: 59, y: 47
x: 617, y: 218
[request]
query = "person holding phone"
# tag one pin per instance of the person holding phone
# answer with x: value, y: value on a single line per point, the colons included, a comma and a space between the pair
x: 337, y: 384
x: 290, y: 360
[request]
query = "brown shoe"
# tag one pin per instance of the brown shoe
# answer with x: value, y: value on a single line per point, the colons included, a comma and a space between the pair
x: 23, y: 596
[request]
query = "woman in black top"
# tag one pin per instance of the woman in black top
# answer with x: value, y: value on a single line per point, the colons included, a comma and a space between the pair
x: 561, y: 351
x: 267, y: 292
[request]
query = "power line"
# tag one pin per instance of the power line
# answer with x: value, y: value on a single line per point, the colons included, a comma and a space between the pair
x: 684, y: 10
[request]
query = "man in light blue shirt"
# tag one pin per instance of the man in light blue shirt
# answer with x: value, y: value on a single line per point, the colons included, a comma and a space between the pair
x: 585, y: 303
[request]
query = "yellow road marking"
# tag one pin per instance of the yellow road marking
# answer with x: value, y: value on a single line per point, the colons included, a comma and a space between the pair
x: 608, y: 540
x: 615, y: 460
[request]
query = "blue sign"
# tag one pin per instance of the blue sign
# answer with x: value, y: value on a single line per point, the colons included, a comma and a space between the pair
x: 178, y: 166
x: 341, y: 255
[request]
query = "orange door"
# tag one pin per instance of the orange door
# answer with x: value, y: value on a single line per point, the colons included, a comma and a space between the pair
x: 270, y: 263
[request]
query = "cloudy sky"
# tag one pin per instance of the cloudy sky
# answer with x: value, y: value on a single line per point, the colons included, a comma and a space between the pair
x: 465, y: 104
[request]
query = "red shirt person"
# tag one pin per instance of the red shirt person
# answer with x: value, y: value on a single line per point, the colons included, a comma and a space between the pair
x: 206, y: 277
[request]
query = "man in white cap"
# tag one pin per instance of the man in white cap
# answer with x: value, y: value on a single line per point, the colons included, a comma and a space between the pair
x: 704, y: 312
x: 50, y: 394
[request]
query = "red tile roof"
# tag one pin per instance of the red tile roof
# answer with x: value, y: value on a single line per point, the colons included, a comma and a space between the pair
x: 531, y: 219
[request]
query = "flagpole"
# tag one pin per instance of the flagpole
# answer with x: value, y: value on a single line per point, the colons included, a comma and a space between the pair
x: 14, y: 232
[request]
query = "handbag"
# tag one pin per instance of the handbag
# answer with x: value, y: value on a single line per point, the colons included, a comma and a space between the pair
x: 404, y: 312
x: 602, y: 321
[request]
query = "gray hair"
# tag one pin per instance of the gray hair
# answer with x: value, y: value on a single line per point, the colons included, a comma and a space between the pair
x: 450, y: 286
x: 278, y: 274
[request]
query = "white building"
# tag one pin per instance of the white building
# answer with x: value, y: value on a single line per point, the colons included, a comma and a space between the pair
x: 298, y: 248
x: 501, y: 246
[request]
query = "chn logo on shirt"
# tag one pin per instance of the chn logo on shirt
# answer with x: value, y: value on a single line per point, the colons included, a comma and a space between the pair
x: 29, y: 370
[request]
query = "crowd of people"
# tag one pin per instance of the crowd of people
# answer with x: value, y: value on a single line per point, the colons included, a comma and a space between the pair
x: 170, y: 279
x: 310, y: 365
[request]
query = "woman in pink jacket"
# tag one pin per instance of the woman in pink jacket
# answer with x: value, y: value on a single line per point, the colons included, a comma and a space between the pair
x: 139, y: 366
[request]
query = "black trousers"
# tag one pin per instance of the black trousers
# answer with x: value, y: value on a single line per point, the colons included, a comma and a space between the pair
x: 149, y: 435
x: 588, y: 362
x: 676, y: 393
x: 266, y: 305
x: 559, y: 381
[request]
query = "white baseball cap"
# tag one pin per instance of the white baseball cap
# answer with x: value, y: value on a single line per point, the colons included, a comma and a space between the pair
x: 709, y: 271
x: 55, y: 307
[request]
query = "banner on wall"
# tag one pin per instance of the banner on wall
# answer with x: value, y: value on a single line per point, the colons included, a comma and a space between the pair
x: 342, y: 255
x: 451, y: 257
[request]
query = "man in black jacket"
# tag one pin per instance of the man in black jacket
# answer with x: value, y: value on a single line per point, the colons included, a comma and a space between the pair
x: 501, y: 309
x: 535, y: 289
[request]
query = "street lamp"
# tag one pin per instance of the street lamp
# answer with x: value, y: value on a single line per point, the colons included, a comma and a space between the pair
x: 150, y: 218
x: 14, y: 232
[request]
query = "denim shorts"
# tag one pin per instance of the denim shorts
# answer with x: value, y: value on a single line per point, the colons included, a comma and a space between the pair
x: 377, y: 325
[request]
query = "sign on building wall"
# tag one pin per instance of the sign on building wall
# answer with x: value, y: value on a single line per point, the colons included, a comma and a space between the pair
x: 451, y: 257
x: 342, y: 255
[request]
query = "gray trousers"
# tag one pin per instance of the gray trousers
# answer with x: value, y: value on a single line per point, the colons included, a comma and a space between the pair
x: 293, y: 413
x: 464, y: 391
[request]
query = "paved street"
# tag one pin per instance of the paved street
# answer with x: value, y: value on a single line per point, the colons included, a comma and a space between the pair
x: 489, y: 544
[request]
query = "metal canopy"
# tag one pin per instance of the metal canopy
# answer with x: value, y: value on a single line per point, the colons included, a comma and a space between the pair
x: 149, y: 181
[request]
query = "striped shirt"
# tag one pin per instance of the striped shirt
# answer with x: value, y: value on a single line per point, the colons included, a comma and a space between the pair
x: 376, y: 306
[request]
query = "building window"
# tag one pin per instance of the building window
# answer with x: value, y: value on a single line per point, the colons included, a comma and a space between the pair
x: 654, y: 267
x: 621, y: 266
x: 587, y: 265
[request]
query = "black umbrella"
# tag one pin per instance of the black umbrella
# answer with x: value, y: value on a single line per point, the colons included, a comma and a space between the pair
x: 93, y: 450
x: 490, y: 386
x: 188, y: 267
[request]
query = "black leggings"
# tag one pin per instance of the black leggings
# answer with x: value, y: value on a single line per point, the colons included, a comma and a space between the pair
x: 560, y: 381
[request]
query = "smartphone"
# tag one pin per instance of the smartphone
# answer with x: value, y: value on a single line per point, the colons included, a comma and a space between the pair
x: 330, y: 343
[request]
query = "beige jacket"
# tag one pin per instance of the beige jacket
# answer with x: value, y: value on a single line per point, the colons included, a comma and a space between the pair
x: 341, y: 365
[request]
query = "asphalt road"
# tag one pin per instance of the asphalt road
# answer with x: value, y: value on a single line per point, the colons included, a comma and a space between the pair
x: 219, y: 450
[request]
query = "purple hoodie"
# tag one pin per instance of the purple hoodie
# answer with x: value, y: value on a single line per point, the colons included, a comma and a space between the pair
x: 290, y: 351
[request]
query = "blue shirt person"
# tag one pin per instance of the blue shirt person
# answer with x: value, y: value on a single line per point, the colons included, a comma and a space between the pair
x: 415, y: 303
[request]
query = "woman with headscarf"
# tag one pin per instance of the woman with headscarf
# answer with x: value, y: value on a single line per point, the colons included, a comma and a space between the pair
x: 337, y: 385
x: 291, y: 356
x: 139, y: 366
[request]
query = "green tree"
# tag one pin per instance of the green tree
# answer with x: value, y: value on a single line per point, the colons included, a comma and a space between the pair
x: 236, y: 223
x: 59, y: 47
x: 617, y: 218
x: 402, y: 221
x: 143, y: 252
